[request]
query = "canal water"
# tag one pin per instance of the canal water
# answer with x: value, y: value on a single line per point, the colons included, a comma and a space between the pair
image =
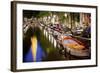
x: 42, y: 49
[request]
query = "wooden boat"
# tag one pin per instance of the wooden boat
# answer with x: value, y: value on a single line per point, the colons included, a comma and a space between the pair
x: 74, y: 47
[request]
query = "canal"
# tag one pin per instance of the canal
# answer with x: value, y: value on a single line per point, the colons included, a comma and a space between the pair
x: 37, y: 47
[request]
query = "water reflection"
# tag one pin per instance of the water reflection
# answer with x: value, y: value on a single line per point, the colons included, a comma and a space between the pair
x: 33, y: 50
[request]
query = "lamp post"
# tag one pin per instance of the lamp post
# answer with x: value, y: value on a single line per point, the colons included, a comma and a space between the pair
x: 65, y: 14
x: 53, y: 19
x: 65, y: 18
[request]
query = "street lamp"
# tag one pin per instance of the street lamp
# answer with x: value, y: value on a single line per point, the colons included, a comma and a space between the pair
x: 54, y: 16
x: 65, y: 18
x: 53, y: 19
x: 65, y: 14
